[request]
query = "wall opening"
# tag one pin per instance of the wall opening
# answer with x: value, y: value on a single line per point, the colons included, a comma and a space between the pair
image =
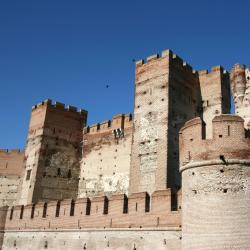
x: 147, y: 203
x: 45, y: 205
x: 88, y: 206
x: 21, y: 212
x: 69, y: 174
x: 125, y: 204
x: 58, y: 208
x: 28, y: 174
x: 32, y: 211
x: 72, y: 208
x: 11, y: 213
x: 106, y: 205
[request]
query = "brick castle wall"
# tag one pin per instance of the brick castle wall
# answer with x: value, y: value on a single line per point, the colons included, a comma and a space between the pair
x: 215, y: 184
x: 11, y: 170
x: 106, y: 155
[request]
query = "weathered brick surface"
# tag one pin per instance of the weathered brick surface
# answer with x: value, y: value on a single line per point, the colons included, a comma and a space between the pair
x: 105, y: 162
x: 11, y: 169
x: 215, y: 185
x: 53, y: 153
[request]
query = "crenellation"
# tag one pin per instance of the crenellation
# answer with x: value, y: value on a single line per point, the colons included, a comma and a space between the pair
x: 156, y: 178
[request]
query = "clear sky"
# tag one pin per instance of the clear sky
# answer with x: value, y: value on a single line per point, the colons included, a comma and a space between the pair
x: 70, y: 50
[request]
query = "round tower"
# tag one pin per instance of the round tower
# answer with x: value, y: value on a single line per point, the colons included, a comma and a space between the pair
x: 215, y: 185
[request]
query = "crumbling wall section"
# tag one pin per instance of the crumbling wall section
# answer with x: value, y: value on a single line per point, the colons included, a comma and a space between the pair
x: 106, y: 157
x: 53, y: 153
x: 11, y: 169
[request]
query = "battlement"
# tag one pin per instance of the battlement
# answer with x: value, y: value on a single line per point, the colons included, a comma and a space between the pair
x: 156, y: 63
x: 120, y: 121
x: 171, y: 57
x: 10, y: 151
x: 228, y: 143
x: 217, y: 68
x: 118, y: 211
x: 59, y: 106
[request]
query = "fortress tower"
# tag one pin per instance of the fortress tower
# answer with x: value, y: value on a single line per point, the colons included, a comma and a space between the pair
x: 240, y: 86
x: 215, y: 185
x: 53, y: 152
x: 168, y: 92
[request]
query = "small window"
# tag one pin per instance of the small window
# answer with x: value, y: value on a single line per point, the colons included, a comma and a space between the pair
x: 72, y: 208
x: 45, y: 209
x: 88, y: 206
x: 125, y: 204
x: 58, y: 208
x: 32, y: 211
x: 46, y: 244
x: 69, y: 174
x: 106, y: 206
x: 58, y: 172
x: 11, y: 213
x: 28, y: 174
x: 21, y: 213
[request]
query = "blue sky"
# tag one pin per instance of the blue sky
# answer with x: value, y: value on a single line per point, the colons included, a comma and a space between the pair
x: 70, y: 50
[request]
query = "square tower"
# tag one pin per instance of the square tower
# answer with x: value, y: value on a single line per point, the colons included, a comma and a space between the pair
x: 53, y: 152
x: 167, y: 94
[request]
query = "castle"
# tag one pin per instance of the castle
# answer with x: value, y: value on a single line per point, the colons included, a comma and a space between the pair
x: 175, y: 174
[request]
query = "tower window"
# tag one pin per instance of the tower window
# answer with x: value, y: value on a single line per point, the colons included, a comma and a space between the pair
x: 72, y: 208
x: 69, y: 174
x: 28, y: 174
x: 21, y: 213
x: 58, y: 208
x: 45, y: 209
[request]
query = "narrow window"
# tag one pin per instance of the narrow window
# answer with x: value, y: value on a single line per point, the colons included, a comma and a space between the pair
x: 58, y: 208
x: 125, y: 204
x: 28, y: 174
x: 21, y: 213
x: 88, y: 206
x: 11, y: 213
x: 106, y: 205
x: 69, y: 174
x: 45, y: 210
x: 58, y: 172
x: 228, y: 130
x: 32, y: 211
x: 46, y: 244
x: 88, y: 129
x: 72, y: 208
x: 147, y: 203
x: 109, y: 124
x: 174, y: 202
x: 136, y: 206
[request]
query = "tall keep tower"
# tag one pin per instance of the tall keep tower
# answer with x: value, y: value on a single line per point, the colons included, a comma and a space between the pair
x: 53, y: 151
x: 215, y: 185
x: 240, y: 86
x: 166, y: 95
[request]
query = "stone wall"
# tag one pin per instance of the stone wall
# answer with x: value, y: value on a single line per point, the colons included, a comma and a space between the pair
x: 53, y: 153
x: 215, y: 185
x: 118, y: 222
x: 106, y: 157
x: 166, y: 95
x: 11, y: 169
x: 130, y: 239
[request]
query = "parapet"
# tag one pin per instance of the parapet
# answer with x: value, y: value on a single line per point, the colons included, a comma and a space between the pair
x: 59, y: 106
x: 229, y: 140
x: 120, y: 121
x: 10, y: 151
x: 118, y: 211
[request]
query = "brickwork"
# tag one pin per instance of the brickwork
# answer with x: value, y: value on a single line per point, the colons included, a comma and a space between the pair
x: 105, y: 162
x: 117, y: 184
x: 11, y: 169
x: 53, y: 153
x: 215, y: 92
x: 114, y: 212
x: 215, y: 185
